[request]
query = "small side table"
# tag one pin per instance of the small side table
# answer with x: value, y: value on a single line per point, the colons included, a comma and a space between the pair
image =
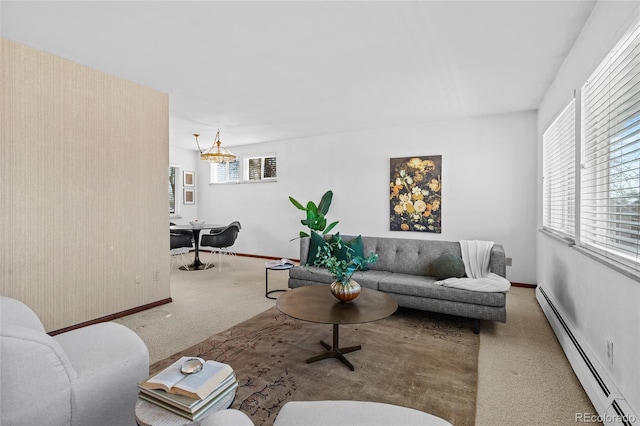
x: 266, y: 278
x: 148, y: 414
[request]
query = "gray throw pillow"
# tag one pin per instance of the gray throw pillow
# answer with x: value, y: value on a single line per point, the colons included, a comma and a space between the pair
x: 447, y: 266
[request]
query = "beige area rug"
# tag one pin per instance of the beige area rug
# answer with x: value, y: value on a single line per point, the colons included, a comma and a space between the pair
x: 415, y: 359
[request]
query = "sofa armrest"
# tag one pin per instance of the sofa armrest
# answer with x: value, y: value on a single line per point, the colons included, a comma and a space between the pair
x: 109, y: 360
x: 15, y: 312
x: 304, y: 250
x: 497, y: 262
x: 36, y: 378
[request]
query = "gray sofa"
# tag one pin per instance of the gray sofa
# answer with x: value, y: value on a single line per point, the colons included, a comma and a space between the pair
x: 402, y: 271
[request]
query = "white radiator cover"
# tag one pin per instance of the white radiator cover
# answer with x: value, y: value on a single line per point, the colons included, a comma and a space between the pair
x: 610, y: 404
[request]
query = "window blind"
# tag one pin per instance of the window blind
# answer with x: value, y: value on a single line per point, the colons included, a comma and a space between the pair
x: 225, y: 172
x: 270, y: 168
x: 172, y: 190
x: 558, y: 174
x: 255, y: 168
x: 234, y: 171
x: 610, y: 178
x: 261, y: 168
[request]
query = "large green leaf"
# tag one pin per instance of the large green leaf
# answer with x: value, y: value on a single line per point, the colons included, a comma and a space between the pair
x: 321, y: 223
x: 312, y: 217
x: 330, y: 227
x: 325, y: 202
x: 311, y: 207
x: 296, y: 203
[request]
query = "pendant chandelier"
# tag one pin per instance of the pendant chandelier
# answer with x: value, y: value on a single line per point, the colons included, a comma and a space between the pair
x: 217, y: 153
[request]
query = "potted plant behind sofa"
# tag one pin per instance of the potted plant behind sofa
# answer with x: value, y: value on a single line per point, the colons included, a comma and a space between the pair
x: 340, y: 259
x: 316, y: 215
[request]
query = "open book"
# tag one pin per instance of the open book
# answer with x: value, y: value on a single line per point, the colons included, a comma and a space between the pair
x: 280, y: 264
x: 185, y: 404
x: 219, y: 401
x: 198, y: 385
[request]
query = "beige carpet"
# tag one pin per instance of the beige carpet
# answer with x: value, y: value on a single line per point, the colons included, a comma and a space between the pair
x: 415, y: 359
x: 523, y: 375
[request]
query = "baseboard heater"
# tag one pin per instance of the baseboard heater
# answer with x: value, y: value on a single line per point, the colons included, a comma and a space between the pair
x: 612, y: 408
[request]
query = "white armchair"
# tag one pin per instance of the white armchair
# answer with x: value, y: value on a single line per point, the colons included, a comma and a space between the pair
x: 82, y: 377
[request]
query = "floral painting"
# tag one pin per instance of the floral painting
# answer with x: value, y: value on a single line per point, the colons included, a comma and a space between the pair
x: 415, y: 194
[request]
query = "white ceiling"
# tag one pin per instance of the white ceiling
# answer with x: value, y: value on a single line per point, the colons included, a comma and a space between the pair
x: 266, y: 70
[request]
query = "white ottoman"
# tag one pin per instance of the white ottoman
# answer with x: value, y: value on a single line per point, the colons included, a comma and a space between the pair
x: 228, y: 417
x: 353, y: 413
x: 334, y: 413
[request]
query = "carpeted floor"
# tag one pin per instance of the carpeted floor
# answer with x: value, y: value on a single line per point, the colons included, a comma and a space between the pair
x: 414, y: 359
x: 523, y: 375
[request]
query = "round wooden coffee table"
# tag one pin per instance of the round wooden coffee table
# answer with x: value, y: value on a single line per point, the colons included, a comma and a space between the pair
x: 315, y: 303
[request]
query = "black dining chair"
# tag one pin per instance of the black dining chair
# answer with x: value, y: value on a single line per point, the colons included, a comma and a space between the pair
x: 180, y: 243
x: 220, y: 239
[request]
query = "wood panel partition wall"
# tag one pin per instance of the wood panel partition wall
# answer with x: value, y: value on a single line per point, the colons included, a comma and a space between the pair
x: 84, y: 195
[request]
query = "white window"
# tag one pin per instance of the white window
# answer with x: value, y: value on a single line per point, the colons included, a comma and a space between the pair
x: 610, y: 179
x: 558, y: 174
x: 258, y: 169
x: 225, y: 172
x: 174, y: 191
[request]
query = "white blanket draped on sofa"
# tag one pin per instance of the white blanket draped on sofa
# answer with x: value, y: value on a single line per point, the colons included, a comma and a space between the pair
x: 475, y: 255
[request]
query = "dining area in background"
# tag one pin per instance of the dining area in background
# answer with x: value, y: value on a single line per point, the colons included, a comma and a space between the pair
x: 194, y: 228
x: 219, y: 238
x: 180, y: 244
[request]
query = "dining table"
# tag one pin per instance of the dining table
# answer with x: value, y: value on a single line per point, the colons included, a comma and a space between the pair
x: 197, y: 265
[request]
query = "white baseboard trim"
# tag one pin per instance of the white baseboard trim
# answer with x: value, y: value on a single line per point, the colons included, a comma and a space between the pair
x: 611, y: 407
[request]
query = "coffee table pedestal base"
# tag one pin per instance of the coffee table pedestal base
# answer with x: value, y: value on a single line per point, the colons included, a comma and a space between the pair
x: 335, y: 351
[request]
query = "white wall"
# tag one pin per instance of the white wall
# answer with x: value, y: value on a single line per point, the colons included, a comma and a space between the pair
x: 599, y: 302
x: 187, y: 160
x: 488, y: 178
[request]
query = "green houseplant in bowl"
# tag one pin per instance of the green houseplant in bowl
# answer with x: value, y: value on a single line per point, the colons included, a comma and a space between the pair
x: 341, y: 260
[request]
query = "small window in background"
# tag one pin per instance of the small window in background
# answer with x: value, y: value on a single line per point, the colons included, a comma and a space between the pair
x: 262, y: 168
x: 225, y: 172
x: 173, y: 190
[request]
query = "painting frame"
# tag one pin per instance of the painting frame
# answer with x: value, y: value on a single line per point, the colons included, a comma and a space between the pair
x: 189, y: 196
x: 188, y: 178
x: 415, y: 194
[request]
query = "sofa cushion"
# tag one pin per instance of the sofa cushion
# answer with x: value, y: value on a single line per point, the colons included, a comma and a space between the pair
x: 447, y: 265
x: 423, y: 286
x: 369, y: 279
x: 311, y: 273
x: 316, y: 243
x: 406, y: 255
x: 355, y: 244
